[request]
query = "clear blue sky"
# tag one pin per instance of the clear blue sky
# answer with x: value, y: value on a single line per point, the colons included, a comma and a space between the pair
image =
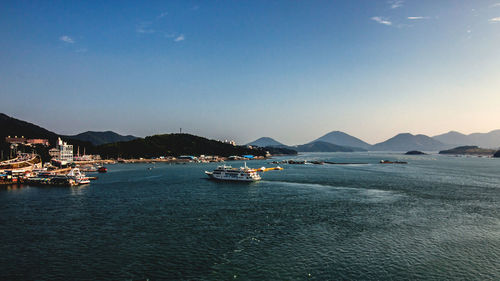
x: 292, y: 70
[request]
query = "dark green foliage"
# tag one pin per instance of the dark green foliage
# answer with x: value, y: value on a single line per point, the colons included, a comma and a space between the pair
x: 4, y: 150
x: 98, y: 138
x: 497, y: 154
x: 173, y: 145
x: 14, y: 127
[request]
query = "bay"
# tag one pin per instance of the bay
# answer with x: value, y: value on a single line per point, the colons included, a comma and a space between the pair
x: 436, y: 218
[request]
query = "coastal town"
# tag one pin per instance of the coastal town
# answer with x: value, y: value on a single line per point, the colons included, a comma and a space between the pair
x: 67, y: 168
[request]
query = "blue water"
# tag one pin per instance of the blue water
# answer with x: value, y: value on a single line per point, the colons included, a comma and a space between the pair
x: 436, y: 218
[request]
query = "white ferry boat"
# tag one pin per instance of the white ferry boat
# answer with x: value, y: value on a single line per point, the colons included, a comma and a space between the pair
x: 229, y: 173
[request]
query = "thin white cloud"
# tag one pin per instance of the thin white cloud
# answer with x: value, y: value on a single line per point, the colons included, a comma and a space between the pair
x: 395, y: 3
x: 153, y: 28
x: 495, y: 20
x: 82, y: 50
x: 144, y: 28
x: 67, y: 39
x: 382, y: 20
x: 179, y: 38
x: 162, y: 15
x: 417, y: 18
x: 495, y: 5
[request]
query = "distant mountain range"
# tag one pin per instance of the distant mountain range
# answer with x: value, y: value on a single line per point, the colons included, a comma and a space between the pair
x: 98, y: 138
x: 400, y: 142
x: 322, y: 146
x: 314, y: 146
x: 343, y: 139
x: 485, y: 140
x: 334, y: 141
x: 407, y: 141
x: 337, y: 141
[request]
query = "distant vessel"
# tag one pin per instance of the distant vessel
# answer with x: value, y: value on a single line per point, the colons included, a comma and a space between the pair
x: 229, y: 173
x: 102, y: 169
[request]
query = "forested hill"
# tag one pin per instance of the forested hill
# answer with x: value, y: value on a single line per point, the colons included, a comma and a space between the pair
x: 173, y: 145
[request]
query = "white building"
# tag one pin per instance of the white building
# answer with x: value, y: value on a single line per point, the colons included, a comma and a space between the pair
x: 65, y: 151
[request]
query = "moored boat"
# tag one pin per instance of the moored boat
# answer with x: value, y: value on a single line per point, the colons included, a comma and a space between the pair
x: 74, y: 177
x: 78, y: 176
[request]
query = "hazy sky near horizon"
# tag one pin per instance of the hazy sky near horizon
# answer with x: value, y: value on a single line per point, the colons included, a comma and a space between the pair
x: 291, y: 70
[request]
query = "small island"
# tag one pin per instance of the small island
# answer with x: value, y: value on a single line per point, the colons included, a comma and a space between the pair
x: 469, y: 150
x: 415, y: 152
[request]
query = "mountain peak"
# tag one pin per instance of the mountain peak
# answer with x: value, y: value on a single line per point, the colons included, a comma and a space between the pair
x: 404, y: 135
x: 322, y: 146
x: 407, y: 141
x: 485, y: 140
x: 342, y: 139
x: 265, y: 141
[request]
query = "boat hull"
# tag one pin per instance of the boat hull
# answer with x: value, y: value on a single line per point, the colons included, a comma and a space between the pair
x: 235, y: 179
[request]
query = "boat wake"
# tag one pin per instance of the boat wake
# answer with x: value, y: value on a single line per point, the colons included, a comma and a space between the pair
x: 354, y: 193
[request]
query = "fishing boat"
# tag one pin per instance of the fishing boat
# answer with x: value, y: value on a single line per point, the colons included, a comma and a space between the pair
x: 228, y: 173
x: 102, y: 169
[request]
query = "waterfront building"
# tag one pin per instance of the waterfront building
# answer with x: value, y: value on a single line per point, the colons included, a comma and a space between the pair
x: 87, y: 157
x: 25, y: 141
x: 44, y: 142
x: 15, y: 140
x: 65, y: 151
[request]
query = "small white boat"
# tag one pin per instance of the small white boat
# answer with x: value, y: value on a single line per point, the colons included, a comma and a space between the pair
x: 78, y: 176
x: 229, y: 173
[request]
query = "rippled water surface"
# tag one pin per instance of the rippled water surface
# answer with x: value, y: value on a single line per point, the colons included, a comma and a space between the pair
x: 435, y: 218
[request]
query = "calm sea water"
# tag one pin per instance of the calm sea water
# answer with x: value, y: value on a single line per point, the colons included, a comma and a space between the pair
x: 436, y: 218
